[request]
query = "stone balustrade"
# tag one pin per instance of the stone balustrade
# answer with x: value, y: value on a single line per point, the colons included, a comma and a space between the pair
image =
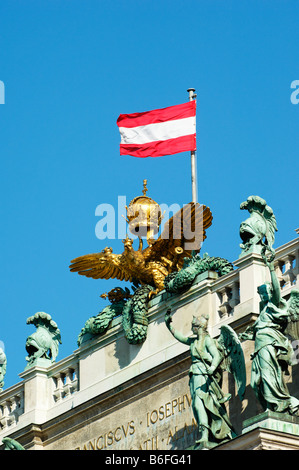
x: 227, y: 295
x: 11, y: 406
x: 287, y: 265
x: 65, y: 382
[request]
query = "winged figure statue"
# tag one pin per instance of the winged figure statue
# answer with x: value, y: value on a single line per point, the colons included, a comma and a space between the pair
x: 233, y: 357
x: 276, y: 326
x: 182, y: 234
x: 209, y: 358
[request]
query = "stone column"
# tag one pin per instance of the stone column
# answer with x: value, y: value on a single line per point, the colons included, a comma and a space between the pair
x: 252, y: 274
x: 36, y: 400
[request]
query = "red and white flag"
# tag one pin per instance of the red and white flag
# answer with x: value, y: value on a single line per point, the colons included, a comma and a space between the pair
x: 159, y: 132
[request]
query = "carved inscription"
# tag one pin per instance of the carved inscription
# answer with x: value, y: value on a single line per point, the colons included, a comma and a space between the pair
x: 164, y: 427
x: 171, y: 437
x: 107, y: 439
x: 168, y: 409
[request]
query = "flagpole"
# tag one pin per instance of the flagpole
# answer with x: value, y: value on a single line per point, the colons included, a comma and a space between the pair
x: 192, y: 96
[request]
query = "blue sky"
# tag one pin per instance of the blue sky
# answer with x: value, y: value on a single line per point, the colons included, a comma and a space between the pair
x: 69, y: 69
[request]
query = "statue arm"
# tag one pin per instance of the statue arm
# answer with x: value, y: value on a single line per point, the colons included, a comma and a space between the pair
x: 276, y: 296
x: 247, y: 334
x: 177, y: 335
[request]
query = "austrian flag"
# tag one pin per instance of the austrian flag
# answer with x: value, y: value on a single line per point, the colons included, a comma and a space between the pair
x: 158, y: 132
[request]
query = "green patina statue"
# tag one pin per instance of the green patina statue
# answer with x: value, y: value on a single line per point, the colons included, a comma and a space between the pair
x: 42, y: 346
x: 258, y: 231
x: 99, y: 324
x: 182, y: 280
x: 3, y: 363
x: 278, y: 320
x: 209, y: 359
x: 132, y: 309
x: 11, y: 444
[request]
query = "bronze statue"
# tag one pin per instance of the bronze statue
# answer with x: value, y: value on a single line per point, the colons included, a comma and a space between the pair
x: 161, y: 257
x: 258, y: 231
x: 278, y: 320
x: 209, y: 358
x: 43, y: 344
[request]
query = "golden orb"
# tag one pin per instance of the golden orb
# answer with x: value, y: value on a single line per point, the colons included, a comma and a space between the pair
x: 144, y: 215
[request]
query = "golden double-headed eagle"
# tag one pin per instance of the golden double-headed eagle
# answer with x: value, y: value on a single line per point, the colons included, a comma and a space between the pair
x: 182, y: 234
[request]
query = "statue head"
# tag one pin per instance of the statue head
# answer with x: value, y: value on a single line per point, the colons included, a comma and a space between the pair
x: 128, y: 242
x: 107, y: 250
x: 44, y: 342
x: 200, y: 322
x: 265, y: 292
x: 259, y: 229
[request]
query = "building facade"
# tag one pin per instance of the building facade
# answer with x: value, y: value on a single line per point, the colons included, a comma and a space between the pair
x: 112, y: 395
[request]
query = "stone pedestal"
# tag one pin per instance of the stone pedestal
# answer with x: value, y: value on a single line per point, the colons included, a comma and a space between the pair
x: 267, y: 431
x: 252, y: 274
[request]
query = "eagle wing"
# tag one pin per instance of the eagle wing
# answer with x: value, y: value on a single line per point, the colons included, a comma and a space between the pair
x: 104, y: 265
x: 182, y: 233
